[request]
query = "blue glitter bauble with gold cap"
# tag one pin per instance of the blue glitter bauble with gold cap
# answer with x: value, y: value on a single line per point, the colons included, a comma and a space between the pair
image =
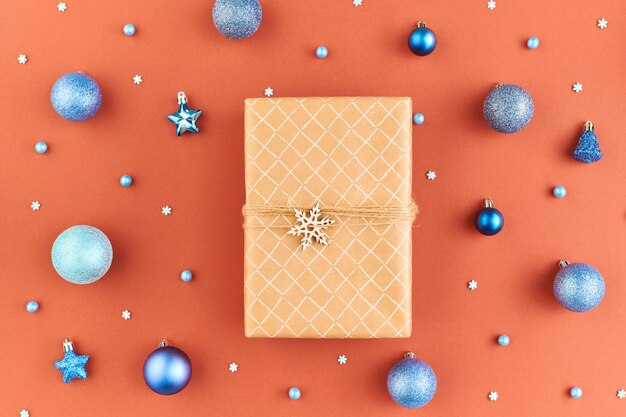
x: 411, y: 382
x: 578, y: 287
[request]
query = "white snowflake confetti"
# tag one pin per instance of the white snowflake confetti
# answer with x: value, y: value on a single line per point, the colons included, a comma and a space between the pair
x: 269, y: 92
x: 310, y: 226
x: 357, y: 3
x: 431, y: 175
x: 24, y: 413
x: 233, y: 367
x: 22, y: 59
x: 603, y: 23
x: 35, y: 205
x: 126, y: 314
x: 493, y: 396
x: 472, y: 285
x: 491, y: 4
x: 137, y: 79
x: 342, y: 359
x: 577, y: 87
x: 61, y: 7
x: 166, y: 210
x: 621, y: 394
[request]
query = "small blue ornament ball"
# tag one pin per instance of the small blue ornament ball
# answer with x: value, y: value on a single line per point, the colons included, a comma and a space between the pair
x: 76, y: 96
x: 41, y: 147
x: 186, y: 275
x: 576, y: 392
x: 559, y: 191
x: 504, y: 340
x: 532, y: 43
x: 418, y: 118
x: 508, y: 108
x: 411, y: 382
x: 167, y: 370
x: 82, y: 254
x: 237, y: 19
x: 126, y: 180
x: 422, y: 41
x: 578, y: 287
x: 321, y: 52
x: 32, y: 306
x: 489, y: 221
x: 294, y: 393
x: 129, y: 29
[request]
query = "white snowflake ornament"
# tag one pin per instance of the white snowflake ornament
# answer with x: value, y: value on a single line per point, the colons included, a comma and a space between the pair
x: 342, y: 359
x: 137, y: 79
x: 431, y: 175
x: 491, y: 4
x: 61, y: 7
x: 233, y: 367
x: 493, y: 396
x: 577, y: 87
x: 621, y: 394
x: 603, y: 23
x: 22, y: 59
x: 166, y: 210
x: 472, y: 285
x: 35, y: 205
x: 310, y: 227
x: 357, y: 3
x: 126, y: 314
x: 24, y: 413
x: 269, y: 92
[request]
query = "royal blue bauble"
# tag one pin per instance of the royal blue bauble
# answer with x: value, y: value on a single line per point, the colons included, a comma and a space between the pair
x: 237, y: 19
x: 411, y: 382
x: 508, y: 108
x: 82, y: 254
x: 422, y: 41
x: 167, y: 370
x: 578, y: 287
x: 76, y: 96
x: 489, y: 221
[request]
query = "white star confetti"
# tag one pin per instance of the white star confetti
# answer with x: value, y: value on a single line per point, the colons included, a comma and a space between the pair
x: 22, y: 59
x: 126, y: 314
x: 342, y: 359
x: 310, y: 226
x: 269, y: 92
x: 137, y: 79
x: 493, y: 396
x: 357, y: 3
x: 431, y: 175
x: 603, y: 23
x: 491, y: 4
x: 61, y: 7
x: 233, y: 367
x: 577, y: 87
x: 166, y: 210
x: 621, y: 394
x: 472, y: 285
x: 24, y: 413
x: 35, y: 205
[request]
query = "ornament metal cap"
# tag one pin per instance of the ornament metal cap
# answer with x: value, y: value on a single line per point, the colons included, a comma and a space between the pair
x: 409, y: 355
x: 182, y: 98
x: 421, y: 24
x: 488, y: 203
x: 164, y: 343
x: 563, y: 263
x: 588, y: 126
x: 67, y: 345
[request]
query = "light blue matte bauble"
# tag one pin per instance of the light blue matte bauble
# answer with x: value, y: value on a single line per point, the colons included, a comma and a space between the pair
x: 533, y: 43
x: 41, y: 147
x: 82, y: 254
x: 321, y: 52
x: 576, y: 392
x: 508, y: 108
x: 504, y: 340
x: 237, y: 19
x: 129, y: 29
x: 411, y: 382
x: 294, y: 393
x: 126, y: 180
x: 76, y: 96
x: 559, y: 191
x: 578, y: 287
x: 418, y: 118
x: 186, y: 275
x: 32, y: 306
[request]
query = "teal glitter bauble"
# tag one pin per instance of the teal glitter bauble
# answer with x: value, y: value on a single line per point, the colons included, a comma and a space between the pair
x: 82, y: 254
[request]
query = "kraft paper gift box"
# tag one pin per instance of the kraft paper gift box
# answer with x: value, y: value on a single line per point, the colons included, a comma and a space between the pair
x: 351, y: 156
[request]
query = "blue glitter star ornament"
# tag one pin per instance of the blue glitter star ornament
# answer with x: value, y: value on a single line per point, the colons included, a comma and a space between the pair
x: 72, y: 366
x: 185, y: 119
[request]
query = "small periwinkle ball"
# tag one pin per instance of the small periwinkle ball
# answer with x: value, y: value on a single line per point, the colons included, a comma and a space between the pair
x: 508, y: 108
x: 411, y: 382
x: 503, y: 340
x: 578, y: 287
x: 186, y: 275
x: 32, y: 306
x: 129, y: 29
x: 41, y: 147
x: 418, y: 118
x: 321, y: 52
x: 167, y: 370
x: 82, y: 254
x: 532, y: 43
x: 422, y: 41
x: 126, y: 180
x: 576, y: 392
x: 559, y: 191
x: 294, y: 393
x: 76, y: 96
x: 237, y: 19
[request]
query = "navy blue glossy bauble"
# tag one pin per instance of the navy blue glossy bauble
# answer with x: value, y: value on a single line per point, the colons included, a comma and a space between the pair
x: 578, y: 287
x: 237, y: 19
x: 167, y: 370
x: 489, y: 221
x: 422, y: 41
x: 76, y: 96
x: 411, y: 382
x: 508, y: 108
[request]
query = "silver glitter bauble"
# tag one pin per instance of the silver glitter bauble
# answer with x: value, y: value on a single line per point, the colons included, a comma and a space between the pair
x: 411, y: 382
x: 508, y: 108
x: 237, y: 19
x: 578, y: 287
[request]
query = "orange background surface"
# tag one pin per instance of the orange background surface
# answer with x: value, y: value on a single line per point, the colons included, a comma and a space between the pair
x: 201, y: 177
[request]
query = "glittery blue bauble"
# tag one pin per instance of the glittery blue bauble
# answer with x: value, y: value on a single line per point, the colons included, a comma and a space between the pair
x: 576, y: 392
x: 508, y: 108
x: 588, y: 149
x: 82, y: 254
x: 321, y: 52
x: 41, y: 147
x: 167, y: 370
x: 129, y: 29
x: 411, y: 383
x: 237, y: 19
x: 422, y: 41
x: 32, y: 306
x: 579, y: 287
x: 294, y: 393
x: 489, y: 221
x: 76, y: 96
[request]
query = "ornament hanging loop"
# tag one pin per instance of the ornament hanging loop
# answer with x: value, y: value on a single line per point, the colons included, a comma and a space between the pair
x: 588, y: 126
x: 488, y: 203
x: 164, y: 343
x: 67, y: 345
x: 421, y: 24
x: 563, y: 263
x: 409, y: 355
x: 182, y: 98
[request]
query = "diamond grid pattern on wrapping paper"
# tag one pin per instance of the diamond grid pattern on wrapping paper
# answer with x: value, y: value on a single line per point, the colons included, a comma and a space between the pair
x: 338, y: 151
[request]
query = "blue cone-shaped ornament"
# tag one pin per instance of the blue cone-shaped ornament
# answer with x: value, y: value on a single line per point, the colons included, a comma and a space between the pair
x: 588, y: 149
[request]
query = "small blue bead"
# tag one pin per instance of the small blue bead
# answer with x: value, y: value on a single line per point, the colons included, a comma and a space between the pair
x: 186, y: 275
x: 294, y: 393
x: 504, y: 340
x: 418, y: 118
x: 41, y: 147
x: 576, y: 392
x: 321, y: 52
x: 129, y: 29
x: 559, y: 191
x: 533, y: 43
x: 32, y: 306
x: 126, y: 180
